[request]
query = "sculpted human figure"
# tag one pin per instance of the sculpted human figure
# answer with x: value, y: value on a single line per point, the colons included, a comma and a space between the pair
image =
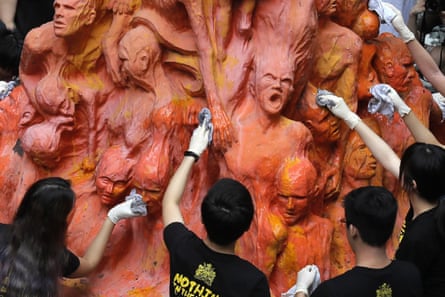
x: 69, y: 49
x: 308, y: 235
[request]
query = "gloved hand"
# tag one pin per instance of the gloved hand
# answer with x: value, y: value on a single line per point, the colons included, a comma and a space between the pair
x: 305, y: 279
x: 440, y: 101
x: 399, y: 24
x: 199, y: 140
x: 133, y: 206
x: 386, y: 93
x: 339, y: 108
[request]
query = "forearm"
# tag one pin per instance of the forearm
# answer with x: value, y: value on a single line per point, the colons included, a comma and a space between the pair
x: 175, y: 190
x: 419, y: 131
x: 379, y: 148
x: 7, y: 12
x: 427, y: 66
x: 95, y: 251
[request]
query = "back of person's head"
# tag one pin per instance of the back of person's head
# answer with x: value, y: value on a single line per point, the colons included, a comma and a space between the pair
x: 227, y: 211
x: 422, y: 170
x: 372, y: 210
x: 31, y: 260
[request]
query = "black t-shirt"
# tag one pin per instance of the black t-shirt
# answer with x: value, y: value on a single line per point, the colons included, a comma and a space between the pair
x: 196, y: 270
x: 399, y: 279
x: 422, y: 245
x: 71, y: 261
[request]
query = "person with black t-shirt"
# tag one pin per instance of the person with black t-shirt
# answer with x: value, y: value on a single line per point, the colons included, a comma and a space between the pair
x: 421, y: 171
x: 370, y: 214
x: 209, y: 267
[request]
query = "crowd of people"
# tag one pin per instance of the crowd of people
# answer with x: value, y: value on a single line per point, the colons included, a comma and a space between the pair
x: 32, y: 259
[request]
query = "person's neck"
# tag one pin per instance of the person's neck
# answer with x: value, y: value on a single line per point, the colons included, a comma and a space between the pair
x: 372, y: 257
x: 420, y: 205
x: 223, y: 249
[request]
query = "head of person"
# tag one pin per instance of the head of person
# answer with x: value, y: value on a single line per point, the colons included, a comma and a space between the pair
x: 47, y: 201
x: 296, y: 185
x: 370, y: 212
x: 138, y: 51
x: 113, y: 175
x: 70, y: 16
x: 422, y: 169
x: 273, y: 81
x: 394, y: 63
x: 227, y: 211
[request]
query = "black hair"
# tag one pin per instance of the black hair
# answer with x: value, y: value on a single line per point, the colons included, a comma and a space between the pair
x: 424, y: 164
x: 372, y: 210
x: 31, y: 261
x: 227, y: 211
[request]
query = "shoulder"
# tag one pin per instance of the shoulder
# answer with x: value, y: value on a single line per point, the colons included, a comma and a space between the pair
x: 177, y: 233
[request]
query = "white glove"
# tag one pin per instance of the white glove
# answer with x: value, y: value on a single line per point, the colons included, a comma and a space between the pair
x: 199, y: 140
x: 399, y: 24
x: 386, y: 93
x: 133, y: 206
x: 306, y: 278
x: 339, y: 108
x: 440, y: 101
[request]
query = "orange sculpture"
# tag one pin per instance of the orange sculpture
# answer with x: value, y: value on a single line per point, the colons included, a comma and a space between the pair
x: 111, y: 91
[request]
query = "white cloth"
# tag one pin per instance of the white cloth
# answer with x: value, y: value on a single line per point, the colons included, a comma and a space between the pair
x: 386, y: 16
x: 440, y: 101
x: 380, y: 102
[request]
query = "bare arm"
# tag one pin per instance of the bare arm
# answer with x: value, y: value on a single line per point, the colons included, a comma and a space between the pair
x: 170, y: 203
x: 7, y: 13
x: 427, y: 66
x: 419, y: 131
x: 95, y: 251
x: 379, y: 148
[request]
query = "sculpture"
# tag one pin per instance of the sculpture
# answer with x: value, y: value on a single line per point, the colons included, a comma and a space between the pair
x: 111, y: 92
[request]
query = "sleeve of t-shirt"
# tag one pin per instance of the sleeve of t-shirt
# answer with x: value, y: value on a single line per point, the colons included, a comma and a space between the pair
x: 262, y: 288
x: 175, y: 234
x: 72, y: 262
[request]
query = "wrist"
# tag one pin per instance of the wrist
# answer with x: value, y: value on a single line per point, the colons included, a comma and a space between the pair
x: 192, y: 154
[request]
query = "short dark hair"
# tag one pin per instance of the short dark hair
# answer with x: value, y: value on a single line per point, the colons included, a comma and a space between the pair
x: 227, y: 211
x: 372, y: 210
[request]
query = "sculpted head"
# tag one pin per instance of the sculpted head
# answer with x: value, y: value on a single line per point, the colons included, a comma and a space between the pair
x: 70, y: 16
x: 394, y: 63
x: 113, y: 175
x: 139, y: 50
x: 296, y: 185
x: 273, y: 82
x: 326, y: 7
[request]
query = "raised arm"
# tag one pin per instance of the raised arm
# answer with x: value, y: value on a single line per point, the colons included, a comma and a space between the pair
x: 379, y: 148
x: 7, y: 13
x: 175, y: 189
x: 386, y: 93
x: 423, y: 59
x: 132, y: 207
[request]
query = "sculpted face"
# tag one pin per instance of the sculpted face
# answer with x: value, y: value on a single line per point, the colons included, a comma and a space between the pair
x: 295, y: 186
x: 138, y: 51
x: 71, y: 15
x: 273, y: 86
x: 113, y: 176
x: 395, y: 64
x: 359, y: 161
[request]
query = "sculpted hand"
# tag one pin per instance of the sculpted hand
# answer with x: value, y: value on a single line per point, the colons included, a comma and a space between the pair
x: 386, y: 93
x: 399, y: 24
x: 339, y: 108
x: 306, y: 278
x: 133, y: 206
